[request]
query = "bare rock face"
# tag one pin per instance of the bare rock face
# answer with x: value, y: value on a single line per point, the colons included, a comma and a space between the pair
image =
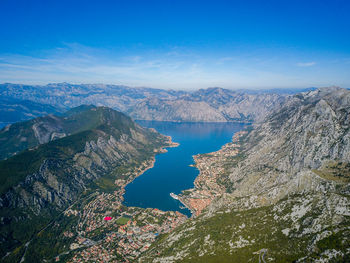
x: 176, y: 110
x: 210, y: 105
x: 48, y: 129
x: 308, y: 132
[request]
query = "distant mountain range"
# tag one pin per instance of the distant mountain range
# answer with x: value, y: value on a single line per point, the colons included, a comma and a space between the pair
x: 14, y: 110
x: 209, y: 105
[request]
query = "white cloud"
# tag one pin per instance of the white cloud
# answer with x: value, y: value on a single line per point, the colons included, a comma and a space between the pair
x: 306, y: 64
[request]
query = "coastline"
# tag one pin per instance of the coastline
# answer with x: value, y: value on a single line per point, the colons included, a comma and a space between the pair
x: 206, y: 187
x: 134, y: 235
x: 179, y: 198
x: 150, y: 164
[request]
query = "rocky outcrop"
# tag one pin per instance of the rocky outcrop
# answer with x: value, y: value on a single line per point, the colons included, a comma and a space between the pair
x: 49, y: 185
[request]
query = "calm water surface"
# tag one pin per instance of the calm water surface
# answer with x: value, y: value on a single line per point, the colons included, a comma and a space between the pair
x: 171, y: 171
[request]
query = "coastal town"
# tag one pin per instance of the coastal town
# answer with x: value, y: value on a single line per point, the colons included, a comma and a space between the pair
x: 206, y: 186
x: 123, y: 235
x: 107, y: 231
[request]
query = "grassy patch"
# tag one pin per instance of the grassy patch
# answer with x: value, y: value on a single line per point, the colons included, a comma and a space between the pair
x: 122, y: 220
x: 336, y: 171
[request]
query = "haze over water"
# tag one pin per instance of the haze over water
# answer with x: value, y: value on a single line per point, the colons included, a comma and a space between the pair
x: 171, y: 172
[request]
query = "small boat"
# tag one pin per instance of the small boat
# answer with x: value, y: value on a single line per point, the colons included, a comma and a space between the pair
x: 174, y: 196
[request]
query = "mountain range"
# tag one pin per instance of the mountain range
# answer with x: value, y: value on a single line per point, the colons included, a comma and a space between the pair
x: 15, y: 110
x: 209, y: 105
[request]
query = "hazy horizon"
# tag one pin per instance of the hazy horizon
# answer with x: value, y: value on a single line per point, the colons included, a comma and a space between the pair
x: 257, y: 89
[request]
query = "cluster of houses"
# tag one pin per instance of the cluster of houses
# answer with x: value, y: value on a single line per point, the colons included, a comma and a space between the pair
x: 206, y: 185
x: 107, y: 231
x: 129, y: 240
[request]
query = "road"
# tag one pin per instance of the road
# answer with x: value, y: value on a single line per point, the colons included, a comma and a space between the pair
x: 262, y: 254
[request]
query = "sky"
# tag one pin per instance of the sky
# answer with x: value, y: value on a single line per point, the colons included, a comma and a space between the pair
x: 174, y: 44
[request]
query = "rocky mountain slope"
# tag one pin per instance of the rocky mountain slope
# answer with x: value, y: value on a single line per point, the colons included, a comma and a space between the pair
x: 72, y: 95
x: 280, y: 193
x: 209, y: 105
x: 38, y: 184
x: 212, y: 104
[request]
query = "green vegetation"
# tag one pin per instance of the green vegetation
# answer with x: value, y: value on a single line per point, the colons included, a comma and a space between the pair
x: 15, y: 169
x: 21, y: 136
x: 238, y: 236
x: 122, y: 220
x: 62, y: 168
x: 253, y: 230
x: 336, y: 171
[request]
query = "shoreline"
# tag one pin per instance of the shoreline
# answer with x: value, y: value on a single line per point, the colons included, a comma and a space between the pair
x: 198, y: 198
x: 178, y: 198
x: 151, y: 161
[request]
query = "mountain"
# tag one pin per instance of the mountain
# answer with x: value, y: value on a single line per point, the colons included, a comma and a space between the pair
x: 212, y: 104
x: 208, y: 105
x: 17, y: 137
x: 15, y: 110
x: 98, y: 145
x: 72, y: 95
x: 279, y: 192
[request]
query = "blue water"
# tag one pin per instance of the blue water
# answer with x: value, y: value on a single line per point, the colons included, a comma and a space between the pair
x: 171, y: 171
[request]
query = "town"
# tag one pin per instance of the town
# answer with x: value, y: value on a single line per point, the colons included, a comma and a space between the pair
x: 206, y: 184
x: 107, y: 231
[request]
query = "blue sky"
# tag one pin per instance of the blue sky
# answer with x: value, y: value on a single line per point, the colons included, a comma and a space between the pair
x: 177, y: 44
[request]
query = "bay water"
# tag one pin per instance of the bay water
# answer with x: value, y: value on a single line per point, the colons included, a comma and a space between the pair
x: 172, y: 171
